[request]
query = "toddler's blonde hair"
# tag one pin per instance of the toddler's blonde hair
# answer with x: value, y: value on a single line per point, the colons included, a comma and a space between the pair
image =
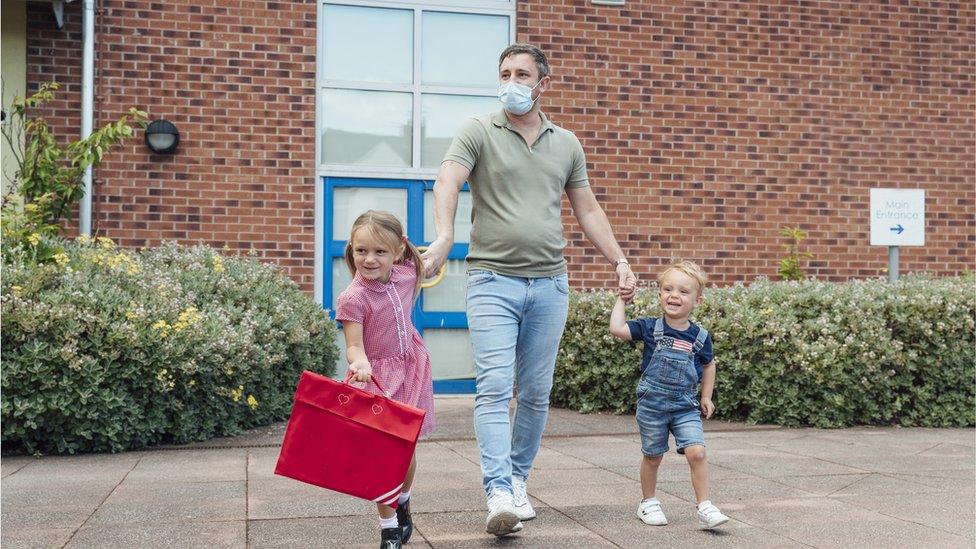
x: 689, y: 268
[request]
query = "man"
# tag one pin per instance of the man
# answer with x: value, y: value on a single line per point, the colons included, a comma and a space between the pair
x: 518, y: 165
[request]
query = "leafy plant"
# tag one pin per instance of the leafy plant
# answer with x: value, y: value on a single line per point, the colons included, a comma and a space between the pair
x: 789, y: 266
x: 107, y: 350
x: 49, y: 177
x: 787, y: 353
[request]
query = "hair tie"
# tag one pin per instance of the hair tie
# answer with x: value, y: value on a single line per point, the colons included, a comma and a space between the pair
x: 404, y: 238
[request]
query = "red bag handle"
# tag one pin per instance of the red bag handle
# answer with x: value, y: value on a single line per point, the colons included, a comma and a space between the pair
x: 371, y: 378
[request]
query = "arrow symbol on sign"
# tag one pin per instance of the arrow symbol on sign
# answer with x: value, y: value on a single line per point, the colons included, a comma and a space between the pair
x: 897, y: 228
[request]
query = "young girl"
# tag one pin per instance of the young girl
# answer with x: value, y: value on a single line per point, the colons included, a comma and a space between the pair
x: 381, y: 340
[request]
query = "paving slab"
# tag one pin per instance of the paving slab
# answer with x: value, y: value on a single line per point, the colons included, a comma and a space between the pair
x: 826, y: 522
x: 34, y: 538
x: 142, y: 536
x: 139, y: 502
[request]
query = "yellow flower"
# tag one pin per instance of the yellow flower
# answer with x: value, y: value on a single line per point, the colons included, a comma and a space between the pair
x: 30, y: 207
x: 17, y: 290
x: 187, y: 318
x: 106, y: 242
x: 252, y: 402
x: 60, y: 258
x: 34, y: 238
x: 83, y: 239
x: 192, y: 383
x: 236, y: 394
x: 218, y: 264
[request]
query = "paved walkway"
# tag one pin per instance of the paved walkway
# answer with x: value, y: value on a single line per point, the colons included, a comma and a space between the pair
x: 863, y: 487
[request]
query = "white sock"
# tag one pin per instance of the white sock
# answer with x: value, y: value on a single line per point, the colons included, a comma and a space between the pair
x: 404, y: 496
x: 388, y: 523
x: 706, y: 502
x: 650, y: 499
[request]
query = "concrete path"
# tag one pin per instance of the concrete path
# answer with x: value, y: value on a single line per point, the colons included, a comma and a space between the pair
x: 863, y: 487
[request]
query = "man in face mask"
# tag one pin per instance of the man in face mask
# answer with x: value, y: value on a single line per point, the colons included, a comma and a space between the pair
x: 518, y: 164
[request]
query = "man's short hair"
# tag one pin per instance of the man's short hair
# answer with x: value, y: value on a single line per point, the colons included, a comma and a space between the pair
x: 689, y: 268
x: 540, y: 58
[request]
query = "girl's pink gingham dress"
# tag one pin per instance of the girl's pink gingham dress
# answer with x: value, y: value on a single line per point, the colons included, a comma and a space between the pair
x: 394, y: 348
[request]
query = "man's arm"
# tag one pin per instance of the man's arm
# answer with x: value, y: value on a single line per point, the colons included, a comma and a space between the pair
x: 450, y: 179
x: 596, y: 227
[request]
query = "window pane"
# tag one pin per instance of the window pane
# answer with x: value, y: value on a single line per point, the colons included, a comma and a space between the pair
x: 448, y: 295
x: 367, y: 128
x: 450, y: 353
x: 348, y: 203
x: 441, y: 116
x: 462, y: 218
x: 462, y: 49
x: 368, y: 44
x: 341, y: 277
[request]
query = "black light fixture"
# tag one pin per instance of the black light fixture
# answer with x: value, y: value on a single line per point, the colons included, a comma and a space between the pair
x: 162, y: 137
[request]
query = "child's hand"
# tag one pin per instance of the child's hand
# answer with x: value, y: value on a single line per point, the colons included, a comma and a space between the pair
x: 361, y: 370
x: 707, y: 407
x: 625, y: 296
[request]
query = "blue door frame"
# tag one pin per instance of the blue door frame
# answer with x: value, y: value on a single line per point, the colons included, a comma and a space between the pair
x: 415, y: 232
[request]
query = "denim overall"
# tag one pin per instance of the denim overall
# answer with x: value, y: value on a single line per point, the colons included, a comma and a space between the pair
x: 666, y: 396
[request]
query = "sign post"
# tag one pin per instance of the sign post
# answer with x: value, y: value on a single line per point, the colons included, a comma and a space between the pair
x: 897, y: 219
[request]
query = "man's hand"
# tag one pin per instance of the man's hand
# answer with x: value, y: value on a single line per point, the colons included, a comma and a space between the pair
x: 435, y: 255
x: 707, y: 407
x: 627, y: 284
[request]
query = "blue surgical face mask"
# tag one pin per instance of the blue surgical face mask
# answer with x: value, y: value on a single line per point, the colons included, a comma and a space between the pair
x: 516, y: 98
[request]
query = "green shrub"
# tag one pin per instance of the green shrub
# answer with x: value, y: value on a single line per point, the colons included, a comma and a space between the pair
x: 108, y: 350
x: 801, y: 353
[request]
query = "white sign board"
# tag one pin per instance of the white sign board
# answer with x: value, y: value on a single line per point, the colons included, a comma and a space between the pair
x: 897, y: 217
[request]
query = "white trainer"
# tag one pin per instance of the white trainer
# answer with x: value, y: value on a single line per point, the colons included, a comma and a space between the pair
x: 709, y: 516
x: 523, y: 507
x: 650, y: 512
x: 502, y: 519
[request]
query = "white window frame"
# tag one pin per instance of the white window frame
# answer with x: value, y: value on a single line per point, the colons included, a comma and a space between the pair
x: 506, y: 8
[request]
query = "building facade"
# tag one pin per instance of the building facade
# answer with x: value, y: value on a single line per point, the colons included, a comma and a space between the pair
x: 708, y: 126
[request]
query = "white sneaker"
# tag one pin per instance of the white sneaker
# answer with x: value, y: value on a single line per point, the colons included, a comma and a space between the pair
x: 650, y: 512
x: 709, y: 516
x: 523, y: 507
x: 502, y: 519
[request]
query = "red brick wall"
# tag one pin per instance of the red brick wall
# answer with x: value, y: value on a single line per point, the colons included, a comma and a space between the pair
x: 708, y: 125
x: 711, y: 125
x: 238, y: 80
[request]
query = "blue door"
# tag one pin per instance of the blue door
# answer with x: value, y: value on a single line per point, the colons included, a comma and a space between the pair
x: 439, y: 311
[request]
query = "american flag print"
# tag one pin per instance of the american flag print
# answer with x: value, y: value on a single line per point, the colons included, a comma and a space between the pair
x: 676, y: 344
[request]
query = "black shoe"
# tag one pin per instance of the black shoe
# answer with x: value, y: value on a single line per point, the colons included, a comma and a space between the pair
x: 391, y: 538
x: 403, y: 517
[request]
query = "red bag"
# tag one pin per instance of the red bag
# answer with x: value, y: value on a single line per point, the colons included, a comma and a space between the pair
x: 349, y: 440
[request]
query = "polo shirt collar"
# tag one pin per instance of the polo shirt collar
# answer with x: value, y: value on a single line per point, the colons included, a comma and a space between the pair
x: 499, y: 119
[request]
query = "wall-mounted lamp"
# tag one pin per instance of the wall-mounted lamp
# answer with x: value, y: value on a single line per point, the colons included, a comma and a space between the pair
x: 162, y: 137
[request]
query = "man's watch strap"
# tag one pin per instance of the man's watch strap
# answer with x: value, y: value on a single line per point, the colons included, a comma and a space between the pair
x: 619, y: 261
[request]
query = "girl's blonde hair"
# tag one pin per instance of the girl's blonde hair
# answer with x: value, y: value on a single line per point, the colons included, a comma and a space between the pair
x: 689, y: 268
x: 386, y: 228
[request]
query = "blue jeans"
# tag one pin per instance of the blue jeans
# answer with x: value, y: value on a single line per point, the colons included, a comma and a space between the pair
x: 515, y: 325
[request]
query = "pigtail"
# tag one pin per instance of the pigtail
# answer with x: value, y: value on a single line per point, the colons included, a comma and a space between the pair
x: 350, y: 262
x: 411, y: 253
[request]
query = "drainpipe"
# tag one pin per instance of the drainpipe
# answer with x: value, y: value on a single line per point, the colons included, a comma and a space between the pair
x: 87, y: 105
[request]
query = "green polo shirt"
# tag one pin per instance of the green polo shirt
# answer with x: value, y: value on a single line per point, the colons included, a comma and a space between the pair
x: 516, y: 191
